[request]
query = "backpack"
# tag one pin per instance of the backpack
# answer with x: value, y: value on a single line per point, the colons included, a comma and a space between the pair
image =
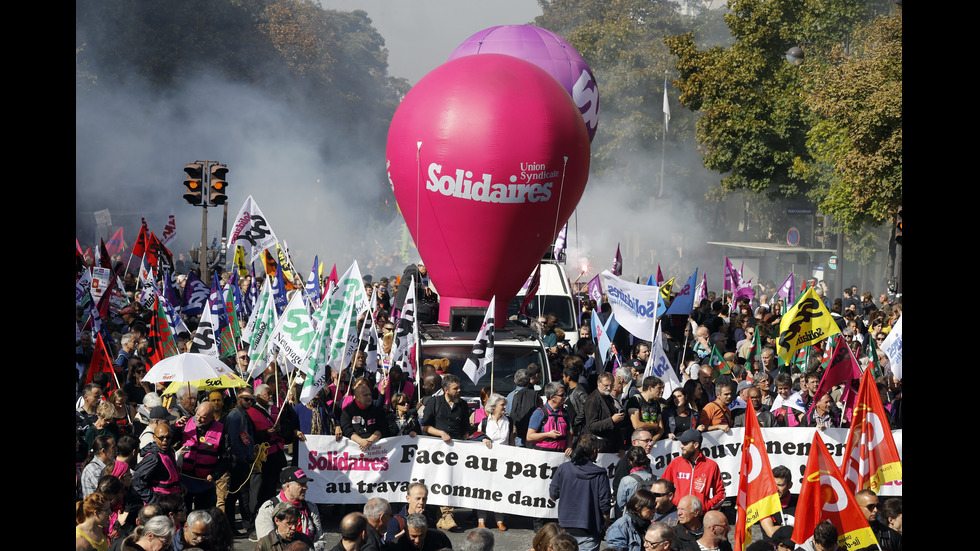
x: 549, y: 425
x: 525, y: 402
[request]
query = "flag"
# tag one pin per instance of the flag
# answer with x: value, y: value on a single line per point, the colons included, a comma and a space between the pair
x: 252, y: 230
x: 843, y: 368
x: 825, y: 496
x: 892, y: 347
x: 238, y: 261
x: 730, y: 276
x: 161, y: 338
x: 635, y: 305
x: 288, y: 272
x: 595, y: 291
x: 758, y: 496
x: 204, y: 341
x: 755, y: 349
x: 602, y: 334
x: 139, y: 246
x: 101, y: 363
x: 279, y: 297
x: 367, y: 340
x: 666, y: 107
x: 617, y: 267
x: 660, y: 276
x: 560, y: 241
x: 701, y: 292
x: 231, y: 335
x: 787, y: 290
x: 482, y: 353
x: 331, y: 279
x: 659, y: 366
x: 104, y: 259
x: 532, y: 289
x: 405, y: 330
x: 717, y: 361
x: 664, y: 297
x: 294, y: 332
x: 313, y: 286
x: 116, y: 243
x: 807, y: 322
x: 874, y: 363
x: 256, y: 332
x: 195, y: 296
x: 870, y: 455
x: 684, y: 301
x: 169, y: 230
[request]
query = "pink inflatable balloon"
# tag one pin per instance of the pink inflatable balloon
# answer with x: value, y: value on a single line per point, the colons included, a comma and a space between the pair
x: 546, y: 50
x: 488, y: 157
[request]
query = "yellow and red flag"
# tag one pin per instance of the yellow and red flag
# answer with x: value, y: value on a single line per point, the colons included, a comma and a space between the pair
x: 806, y: 323
x: 758, y: 496
x: 870, y: 455
x: 825, y: 496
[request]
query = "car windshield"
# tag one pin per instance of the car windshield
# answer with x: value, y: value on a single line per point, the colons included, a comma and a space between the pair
x: 560, y: 306
x: 506, y: 361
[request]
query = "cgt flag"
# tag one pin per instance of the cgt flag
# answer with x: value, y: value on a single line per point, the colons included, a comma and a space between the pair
x: 807, y: 322
x: 826, y: 497
x: 758, y: 496
x: 870, y: 455
x: 482, y: 354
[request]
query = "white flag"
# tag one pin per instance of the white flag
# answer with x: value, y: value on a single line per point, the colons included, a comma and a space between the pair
x: 482, y: 354
x: 252, y: 230
x: 205, y: 341
x: 892, y: 347
x: 405, y: 330
x: 634, y: 305
x: 294, y: 332
x: 169, y: 230
x: 659, y: 366
x: 666, y: 108
x: 367, y: 341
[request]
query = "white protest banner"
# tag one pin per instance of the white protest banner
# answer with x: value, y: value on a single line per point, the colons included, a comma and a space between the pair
x: 294, y: 332
x: 506, y: 479
x: 635, y: 306
x: 892, y: 347
x: 251, y: 228
x: 100, y: 281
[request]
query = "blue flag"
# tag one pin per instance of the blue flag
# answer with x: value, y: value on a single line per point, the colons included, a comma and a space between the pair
x: 279, y: 291
x: 684, y: 301
x: 195, y: 296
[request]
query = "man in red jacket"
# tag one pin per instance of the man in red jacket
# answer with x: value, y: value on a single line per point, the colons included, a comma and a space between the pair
x: 694, y: 474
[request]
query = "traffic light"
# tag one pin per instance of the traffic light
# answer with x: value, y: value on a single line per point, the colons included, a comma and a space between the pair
x: 194, y: 183
x: 218, y: 184
x: 898, y: 226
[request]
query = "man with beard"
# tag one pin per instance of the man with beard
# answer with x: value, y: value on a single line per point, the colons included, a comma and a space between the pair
x: 694, y: 474
x: 604, y: 417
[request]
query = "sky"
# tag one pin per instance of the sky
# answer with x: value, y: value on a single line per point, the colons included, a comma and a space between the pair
x: 421, y: 34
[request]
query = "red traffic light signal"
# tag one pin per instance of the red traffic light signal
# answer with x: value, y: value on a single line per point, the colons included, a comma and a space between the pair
x: 194, y: 183
x: 218, y: 184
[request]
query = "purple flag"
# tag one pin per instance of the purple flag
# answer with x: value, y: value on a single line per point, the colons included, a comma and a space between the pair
x: 617, y: 267
x: 595, y: 290
x: 730, y: 276
x: 787, y: 290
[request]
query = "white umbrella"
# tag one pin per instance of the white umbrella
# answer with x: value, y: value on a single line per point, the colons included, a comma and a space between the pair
x: 186, y: 367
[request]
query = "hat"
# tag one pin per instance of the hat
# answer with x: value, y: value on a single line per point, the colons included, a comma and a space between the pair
x: 291, y: 474
x: 784, y: 536
x: 690, y: 435
x: 128, y: 310
x: 743, y: 385
x: 161, y: 412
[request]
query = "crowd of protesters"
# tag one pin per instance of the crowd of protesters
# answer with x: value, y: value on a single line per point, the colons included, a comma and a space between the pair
x: 157, y: 469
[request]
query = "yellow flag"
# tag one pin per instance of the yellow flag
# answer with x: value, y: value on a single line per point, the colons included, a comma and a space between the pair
x: 287, y: 267
x: 807, y: 322
x: 240, y: 261
x: 665, y: 289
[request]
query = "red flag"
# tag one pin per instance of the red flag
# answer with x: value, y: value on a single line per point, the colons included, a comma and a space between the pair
x: 758, y: 496
x: 139, y: 247
x: 332, y: 279
x: 116, y: 242
x: 660, y: 276
x: 843, y: 368
x: 101, y: 363
x: 103, y: 305
x: 161, y: 338
x: 157, y: 254
x: 825, y: 496
x: 532, y: 289
x: 870, y: 455
x: 105, y: 260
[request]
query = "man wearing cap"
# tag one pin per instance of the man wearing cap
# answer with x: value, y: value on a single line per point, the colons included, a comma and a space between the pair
x: 694, y: 474
x: 294, y: 482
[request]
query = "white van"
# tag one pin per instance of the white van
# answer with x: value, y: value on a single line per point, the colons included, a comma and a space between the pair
x: 554, y: 296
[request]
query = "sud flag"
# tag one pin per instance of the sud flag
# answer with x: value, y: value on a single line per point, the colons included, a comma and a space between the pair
x: 169, y: 230
x: 482, y: 353
x: 731, y: 276
x: 405, y: 330
x: 807, y: 322
x: 870, y: 455
x: 892, y: 347
x: 683, y: 303
x: 251, y: 230
x: 205, y: 341
x: 659, y: 366
x: 161, y: 339
x: 787, y: 290
x: 826, y: 497
x: 617, y: 267
x: 532, y: 289
x: 595, y: 292
x: 560, y: 241
x: 602, y: 334
x: 367, y: 341
x: 758, y: 497
x: 195, y: 296
x: 313, y: 286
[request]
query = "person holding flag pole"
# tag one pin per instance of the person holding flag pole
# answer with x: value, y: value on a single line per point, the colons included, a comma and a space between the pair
x: 758, y: 496
x: 482, y: 354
